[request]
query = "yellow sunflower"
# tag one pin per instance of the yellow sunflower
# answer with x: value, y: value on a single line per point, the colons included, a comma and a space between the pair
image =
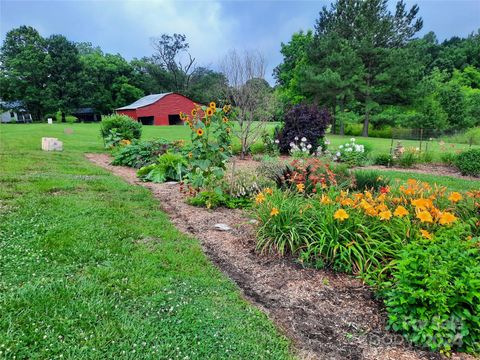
x: 209, y: 111
x: 194, y: 112
x: 212, y: 105
x: 225, y: 120
x: 200, y: 132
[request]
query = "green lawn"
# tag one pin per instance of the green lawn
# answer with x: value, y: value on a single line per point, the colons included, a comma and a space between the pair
x: 91, y: 269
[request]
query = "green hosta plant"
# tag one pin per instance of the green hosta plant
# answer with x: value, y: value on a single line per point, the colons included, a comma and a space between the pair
x: 169, y: 167
x: 139, y: 154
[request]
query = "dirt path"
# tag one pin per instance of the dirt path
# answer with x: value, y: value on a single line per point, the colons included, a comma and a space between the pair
x: 328, y: 316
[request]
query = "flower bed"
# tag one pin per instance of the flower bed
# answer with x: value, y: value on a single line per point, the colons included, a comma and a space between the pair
x: 373, y: 235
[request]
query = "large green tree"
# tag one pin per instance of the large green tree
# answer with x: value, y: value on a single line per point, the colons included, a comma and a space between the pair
x: 373, y: 33
x: 63, y: 67
x: 107, y: 81
x: 24, y: 69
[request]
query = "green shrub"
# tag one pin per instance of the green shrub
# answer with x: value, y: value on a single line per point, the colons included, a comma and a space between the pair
x: 435, y: 299
x: 169, y: 167
x: 426, y: 157
x: 408, y: 158
x: 139, y: 154
x: 122, y: 126
x: 383, y: 160
x: 468, y: 162
x: 370, y: 180
x: 448, y: 158
x: 213, y: 199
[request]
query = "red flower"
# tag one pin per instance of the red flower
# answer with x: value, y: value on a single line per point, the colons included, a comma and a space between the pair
x: 384, y: 189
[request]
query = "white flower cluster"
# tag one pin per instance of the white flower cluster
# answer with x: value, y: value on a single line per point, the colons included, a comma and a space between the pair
x: 350, y: 147
x: 303, y: 147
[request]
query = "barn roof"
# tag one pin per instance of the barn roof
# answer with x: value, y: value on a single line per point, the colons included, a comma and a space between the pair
x: 144, y: 101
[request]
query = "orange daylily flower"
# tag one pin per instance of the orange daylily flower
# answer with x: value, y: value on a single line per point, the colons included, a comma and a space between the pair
x: 447, y: 218
x: 455, y: 197
x: 400, y: 211
x: 425, y: 216
x: 426, y: 234
x: 385, y: 215
x: 347, y: 202
x: 341, y: 215
x: 268, y: 191
x: 274, y: 212
x: 260, y: 198
x: 301, y: 187
x: 325, y: 200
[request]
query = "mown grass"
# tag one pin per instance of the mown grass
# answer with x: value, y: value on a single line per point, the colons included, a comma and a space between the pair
x: 90, y: 268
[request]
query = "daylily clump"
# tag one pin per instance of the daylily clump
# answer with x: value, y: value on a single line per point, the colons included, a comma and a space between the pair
x: 376, y: 224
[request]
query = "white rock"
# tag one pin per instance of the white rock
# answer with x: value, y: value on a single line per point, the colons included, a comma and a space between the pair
x: 222, y: 227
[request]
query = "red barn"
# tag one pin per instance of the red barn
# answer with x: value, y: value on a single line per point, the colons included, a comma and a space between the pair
x: 159, y: 109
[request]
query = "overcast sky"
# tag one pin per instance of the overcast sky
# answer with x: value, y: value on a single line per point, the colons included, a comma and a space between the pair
x: 211, y: 27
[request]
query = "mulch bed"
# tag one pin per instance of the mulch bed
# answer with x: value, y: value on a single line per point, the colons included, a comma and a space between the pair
x: 328, y: 316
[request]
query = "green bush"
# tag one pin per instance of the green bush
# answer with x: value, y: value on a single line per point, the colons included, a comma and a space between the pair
x: 448, y: 158
x: 370, y: 180
x: 169, y: 167
x: 122, y: 125
x: 139, y: 154
x: 468, y: 162
x: 383, y: 160
x: 212, y: 199
x: 435, y: 299
x: 408, y: 159
x: 426, y: 157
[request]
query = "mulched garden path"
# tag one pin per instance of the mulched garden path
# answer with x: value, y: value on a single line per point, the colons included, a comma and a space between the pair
x: 328, y: 316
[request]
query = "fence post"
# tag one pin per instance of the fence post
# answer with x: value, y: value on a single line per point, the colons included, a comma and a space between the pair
x: 421, y: 138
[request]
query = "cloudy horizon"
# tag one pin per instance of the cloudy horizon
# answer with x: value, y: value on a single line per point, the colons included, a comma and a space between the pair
x: 212, y: 27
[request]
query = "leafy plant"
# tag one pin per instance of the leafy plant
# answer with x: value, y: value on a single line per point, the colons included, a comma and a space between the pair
x: 409, y: 158
x: 212, y: 199
x: 303, y: 121
x: 371, y: 180
x: 448, y: 158
x: 270, y: 144
x: 434, y: 300
x: 468, y: 162
x: 169, y: 167
x: 383, y: 160
x: 120, y: 127
x: 139, y: 154
x: 426, y: 157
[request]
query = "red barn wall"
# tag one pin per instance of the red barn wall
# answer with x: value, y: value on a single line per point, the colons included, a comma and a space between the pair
x: 171, y: 104
x: 131, y: 113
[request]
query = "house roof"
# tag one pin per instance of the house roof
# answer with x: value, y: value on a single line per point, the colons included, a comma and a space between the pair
x: 11, y: 105
x: 87, y: 110
x: 144, y: 101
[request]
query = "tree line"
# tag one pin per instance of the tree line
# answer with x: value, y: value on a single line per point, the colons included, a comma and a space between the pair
x: 365, y: 65
x: 362, y: 62
x: 55, y: 74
